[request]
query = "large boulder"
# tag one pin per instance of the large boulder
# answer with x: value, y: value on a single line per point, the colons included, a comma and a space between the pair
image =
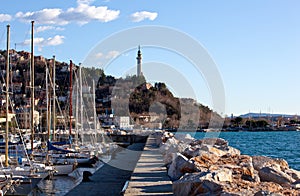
x: 179, y: 166
x: 172, y: 146
x: 263, y: 161
x: 197, y: 184
x: 206, y: 159
x: 168, y: 149
x: 191, y: 151
x: 273, y: 174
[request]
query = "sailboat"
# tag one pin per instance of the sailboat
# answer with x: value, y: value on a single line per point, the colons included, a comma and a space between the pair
x: 53, y: 154
x: 66, y: 152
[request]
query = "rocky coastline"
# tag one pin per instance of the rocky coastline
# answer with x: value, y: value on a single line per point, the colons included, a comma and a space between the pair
x: 210, y: 166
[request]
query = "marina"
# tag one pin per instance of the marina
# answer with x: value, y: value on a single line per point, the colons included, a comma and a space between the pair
x: 93, y: 107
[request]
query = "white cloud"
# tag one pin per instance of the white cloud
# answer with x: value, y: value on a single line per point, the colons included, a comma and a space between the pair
x: 109, y: 55
x: 81, y: 14
x: 140, y: 16
x: 47, y: 28
x: 112, y: 54
x: 42, y: 42
x: 85, y: 1
x: 45, y: 16
x: 99, y: 55
x: 5, y: 17
x: 56, y: 40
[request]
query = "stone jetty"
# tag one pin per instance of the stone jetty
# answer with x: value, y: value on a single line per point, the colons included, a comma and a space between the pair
x: 211, y: 167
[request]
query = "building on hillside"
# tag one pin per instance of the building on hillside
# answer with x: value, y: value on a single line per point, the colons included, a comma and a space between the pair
x: 123, y: 122
x: 23, y: 118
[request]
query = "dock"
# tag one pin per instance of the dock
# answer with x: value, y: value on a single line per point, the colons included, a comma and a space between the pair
x: 149, y: 176
x: 136, y: 170
x: 110, y: 179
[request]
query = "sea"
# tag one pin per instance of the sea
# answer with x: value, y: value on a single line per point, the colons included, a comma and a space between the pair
x: 275, y: 144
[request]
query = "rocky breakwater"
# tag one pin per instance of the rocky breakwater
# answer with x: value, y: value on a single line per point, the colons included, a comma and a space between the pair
x: 211, y: 167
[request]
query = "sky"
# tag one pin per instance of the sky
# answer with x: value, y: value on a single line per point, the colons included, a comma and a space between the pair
x: 252, y: 46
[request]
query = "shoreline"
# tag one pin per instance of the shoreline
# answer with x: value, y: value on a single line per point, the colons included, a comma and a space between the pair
x: 211, y: 131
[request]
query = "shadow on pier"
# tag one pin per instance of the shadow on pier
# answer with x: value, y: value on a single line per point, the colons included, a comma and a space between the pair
x: 135, y: 170
x: 110, y: 179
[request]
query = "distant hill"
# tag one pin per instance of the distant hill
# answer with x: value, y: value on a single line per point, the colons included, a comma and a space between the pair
x: 265, y: 115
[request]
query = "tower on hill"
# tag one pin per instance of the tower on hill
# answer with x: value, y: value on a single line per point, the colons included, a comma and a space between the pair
x: 139, y: 62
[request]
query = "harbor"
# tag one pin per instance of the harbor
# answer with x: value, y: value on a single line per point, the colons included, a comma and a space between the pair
x: 113, y: 98
x: 151, y: 167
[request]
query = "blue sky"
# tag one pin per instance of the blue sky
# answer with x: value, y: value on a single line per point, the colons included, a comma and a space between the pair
x: 254, y: 44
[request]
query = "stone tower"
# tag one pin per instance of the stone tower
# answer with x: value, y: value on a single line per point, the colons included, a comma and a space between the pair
x: 139, y: 62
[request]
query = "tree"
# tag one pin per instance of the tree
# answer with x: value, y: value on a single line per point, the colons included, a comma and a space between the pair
x: 238, y: 121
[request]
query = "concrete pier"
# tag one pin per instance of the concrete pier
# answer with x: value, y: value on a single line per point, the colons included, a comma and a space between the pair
x: 150, y: 176
x: 136, y: 170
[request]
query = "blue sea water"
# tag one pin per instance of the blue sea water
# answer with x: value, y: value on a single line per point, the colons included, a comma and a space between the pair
x: 277, y: 144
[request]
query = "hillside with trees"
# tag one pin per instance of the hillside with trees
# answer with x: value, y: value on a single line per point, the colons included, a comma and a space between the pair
x: 130, y: 96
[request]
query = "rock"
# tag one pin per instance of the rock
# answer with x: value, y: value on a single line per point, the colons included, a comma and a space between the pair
x: 170, y: 147
x: 179, y: 166
x: 167, y: 149
x: 216, y: 151
x: 260, y: 162
x: 168, y: 158
x: 187, y: 138
x: 223, y: 175
x: 233, y: 151
x: 197, y: 184
x: 218, y: 142
x: 266, y: 193
x: 202, y: 183
x: 205, y: 159
x: 248, y: 172
x: 282, y: 163
x: 271, y: 174
x: 191, y: 151
x: 293, y: 173
x: 296, y: 184
x: 263, y: 161
x: 166, y: 136
x: 182, y: 146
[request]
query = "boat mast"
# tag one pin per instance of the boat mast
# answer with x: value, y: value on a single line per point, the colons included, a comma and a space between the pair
x: 32, y: 86
x: 70, y: 89
x: 76, y: 108
x: 81, y: 104
x: 54, y: 98
x: 94, y: 107
x: 48, y: 104
x: 7, y: 82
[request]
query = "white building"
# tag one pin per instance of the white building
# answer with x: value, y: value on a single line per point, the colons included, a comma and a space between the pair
x: 123, y: 122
